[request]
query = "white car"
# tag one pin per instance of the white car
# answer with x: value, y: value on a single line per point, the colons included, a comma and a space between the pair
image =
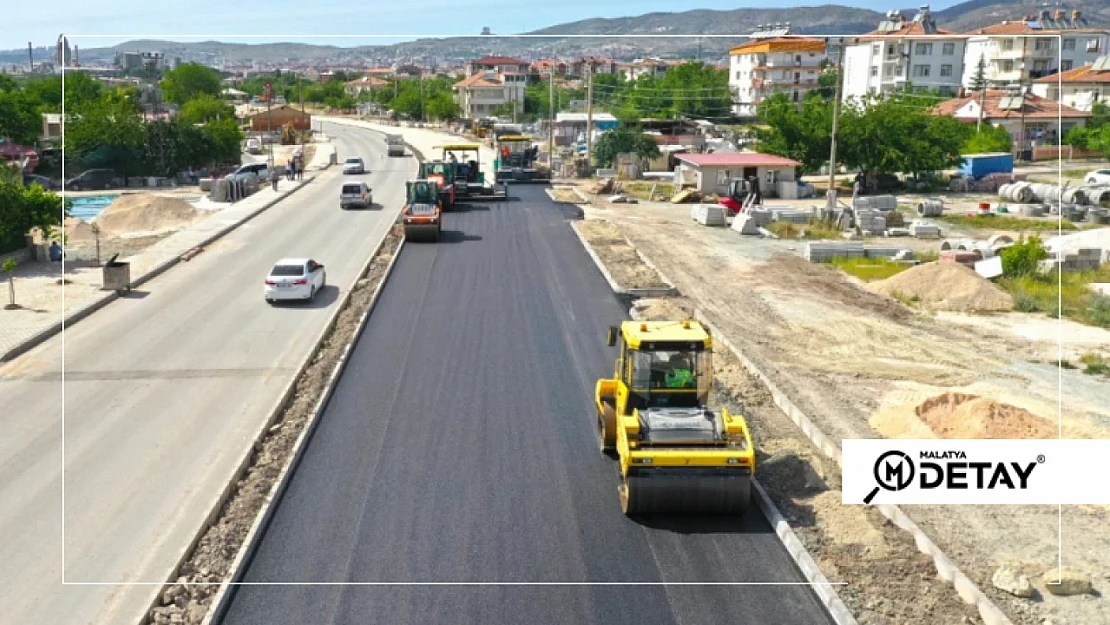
x: 294, y: 278
x: 1098, y: 176
x: 354, y: 165
x: 355, y: 194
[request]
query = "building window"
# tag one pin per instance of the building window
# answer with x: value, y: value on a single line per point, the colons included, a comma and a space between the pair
x: 874, y: 70
x: 1007, y: 66
x: 1065, y: 65
x: 920, y: 71
x: 949, y: 49
x: 890, y: 50
x: 1043, y: 44
x: 795, y: 96
x: 1040, y: 66
x: 737, y: 75
x: 1007, y: 45
x: 1092, y: 45
x: 945, y: 70
x: 1069, y: 44
x: 876, y: 49
x: 923, y: 49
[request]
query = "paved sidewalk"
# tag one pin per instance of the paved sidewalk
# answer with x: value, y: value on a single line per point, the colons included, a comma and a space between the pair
x: 45, y: 301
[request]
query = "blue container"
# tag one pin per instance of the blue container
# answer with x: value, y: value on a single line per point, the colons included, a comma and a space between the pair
x: 89, y: 207
x: 979, y: 165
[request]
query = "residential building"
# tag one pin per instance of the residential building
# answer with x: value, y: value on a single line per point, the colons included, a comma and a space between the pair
x: 904, y: 54
x: 547, y: 67
x: 1078, y: 88
x: 653, y: 67
x: 1024, y: 50
x: 483, y: 92
x: 276, y: 117
x: 712, y: 173
x: 51, y: 126
x: 773, y: 62
x: 141, y: 60
x: 497, y: 64
x: 366, y: 83
x: 1032, y: 117
x: 598, y: 65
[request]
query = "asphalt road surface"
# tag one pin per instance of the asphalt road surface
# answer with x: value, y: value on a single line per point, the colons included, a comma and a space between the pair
x: 460, y: 447
x: 164, y: 392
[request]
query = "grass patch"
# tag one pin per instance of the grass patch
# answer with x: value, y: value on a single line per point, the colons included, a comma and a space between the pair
x: 1073, y: 299
x: 1095, y: 364
x: 1006, y: 222
x: 814, y: 230
x: 640, y: 189
x: 871, y: 269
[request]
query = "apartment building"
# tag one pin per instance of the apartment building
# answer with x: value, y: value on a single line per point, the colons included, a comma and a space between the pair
x: 1080, y: 88
x: 654, y: 67
x: 497, y: 64
x: 903, y: 54
x: 483, y: 92
x: 773, y: 62
x: 1024, y: 50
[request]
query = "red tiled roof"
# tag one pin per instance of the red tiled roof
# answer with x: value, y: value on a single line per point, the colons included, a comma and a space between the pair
x: 478, y: 80
x: 498, y: 60
x: 368, y: 81
x: 1021, y: 27
x: 738, y: 159
x: 1036, y: 107
x: 1078, y: 75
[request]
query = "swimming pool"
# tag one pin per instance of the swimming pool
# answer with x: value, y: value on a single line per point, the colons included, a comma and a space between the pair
x: 89, y: 206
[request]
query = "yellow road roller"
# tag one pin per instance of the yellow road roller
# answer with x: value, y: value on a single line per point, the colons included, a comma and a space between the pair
x: 677, y: 455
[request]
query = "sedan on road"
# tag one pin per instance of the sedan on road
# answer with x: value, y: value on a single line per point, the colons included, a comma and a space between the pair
x: 296, y: 279
x: 1098, y: 176
x: 354, y: 165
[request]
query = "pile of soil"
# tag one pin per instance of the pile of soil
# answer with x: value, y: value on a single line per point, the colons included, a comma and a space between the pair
x: 619, y: 257
x: 960, y: 416
x: 78, y: 231
x: 140, y: 212
x: 946, y: 286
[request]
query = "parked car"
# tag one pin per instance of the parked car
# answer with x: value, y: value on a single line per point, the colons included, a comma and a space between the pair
x: 1098, y: 176
x: 254, y: 145
x: 354, y: 165
x: 92, y: 179
x: 294, y: 278
x: 262, y: 170
x: 43, y: 181
x: 355, y: 194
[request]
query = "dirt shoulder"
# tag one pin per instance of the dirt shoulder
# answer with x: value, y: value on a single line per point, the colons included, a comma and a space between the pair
x: 863, y: 365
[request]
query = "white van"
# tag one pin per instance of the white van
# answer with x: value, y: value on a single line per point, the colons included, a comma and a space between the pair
x: 254, y: 145
x: 355, y: 194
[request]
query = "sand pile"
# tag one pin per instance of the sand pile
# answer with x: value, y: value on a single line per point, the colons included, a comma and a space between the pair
x: 960, y: 416
x: 78, y: 231
x: 140, y: 212
x: 945, y: 286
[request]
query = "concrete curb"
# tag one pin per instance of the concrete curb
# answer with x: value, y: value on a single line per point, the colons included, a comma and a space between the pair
x: 618, y: 289
x: 821, y: 586
x: 157, y: 270
x: 222, y: 600
x: 946, y: 569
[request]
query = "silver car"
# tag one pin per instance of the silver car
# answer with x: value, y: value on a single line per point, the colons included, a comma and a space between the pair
x: 355, y: 194
x: 354, y: 165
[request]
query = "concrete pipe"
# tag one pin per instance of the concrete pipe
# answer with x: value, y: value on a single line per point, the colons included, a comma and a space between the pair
x: 930, y: 208
x: 945, y: 245
x: 1004, y: 191
x: 1022, y: 193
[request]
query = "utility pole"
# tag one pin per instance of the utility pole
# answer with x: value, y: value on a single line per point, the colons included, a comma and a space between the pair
x: 270, y: 122
x: 422, y: 94
x: 589, y: 112
x: 835, y: 125
x: 551, y: 118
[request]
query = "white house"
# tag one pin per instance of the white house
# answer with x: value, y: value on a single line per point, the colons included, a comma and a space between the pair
x: 772, y: 62
x: 481, y: 93
x: 900, y: 54
x: 712, y: 173
x: 1078, y: 88
x: 644, y: 67
x: 1028, y: 49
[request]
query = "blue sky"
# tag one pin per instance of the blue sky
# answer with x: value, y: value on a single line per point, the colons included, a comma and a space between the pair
x: 441, y: 17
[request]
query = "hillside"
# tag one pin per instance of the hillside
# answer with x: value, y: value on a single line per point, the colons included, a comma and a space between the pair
x: 825, y: 19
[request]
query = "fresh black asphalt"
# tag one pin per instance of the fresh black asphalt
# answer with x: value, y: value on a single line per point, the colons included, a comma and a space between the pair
x: 459, y: 446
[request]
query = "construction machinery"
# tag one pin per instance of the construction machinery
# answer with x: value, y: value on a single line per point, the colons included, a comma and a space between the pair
x: 741, y: 194
x: 470, y: 180
x: 423, y: 214
x: 516, y: 160
x: 443, y: 173
x: 677, y: 455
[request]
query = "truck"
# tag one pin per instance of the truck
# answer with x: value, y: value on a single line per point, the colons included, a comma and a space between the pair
x: 395, y: 145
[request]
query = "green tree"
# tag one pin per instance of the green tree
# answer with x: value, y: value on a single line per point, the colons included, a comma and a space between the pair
x: 890, y: 136
x: 442, y: 107
x: 187, y: 81
x: 8, y: 84
x: 23, y: 209
x: 624, y: 139
x: 19, y: 118
x: 203, y: 108
x: 801, y: 134
x: 107, y: 133
x: 225, y: 139
x: 81, y: 89
x: 988, y: 139
x: 979, y: 79
x: 827, y: 80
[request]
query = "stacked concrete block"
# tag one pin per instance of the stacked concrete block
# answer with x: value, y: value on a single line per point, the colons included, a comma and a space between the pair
x: 876, y: 202
x: 1029, y: 210
x: 924, y: 230
x: 710, y: 215
x: 745, y: 223
x: 871, y: 221
x: 824, y: 251
x: 791, y: 215
x: 897, y: 232
x: 1099, y: 216
x: 883, y: 251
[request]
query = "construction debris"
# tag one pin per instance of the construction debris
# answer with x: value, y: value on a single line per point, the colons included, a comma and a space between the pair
x: 1066, y: 581
x: 1085, y: 259
x: 895, y: 219
x: 1008, y: 580
x: 945, y: 286
x: 686, y: 195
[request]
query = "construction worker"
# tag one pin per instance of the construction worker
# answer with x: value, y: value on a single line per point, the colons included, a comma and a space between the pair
x: 680, y: 374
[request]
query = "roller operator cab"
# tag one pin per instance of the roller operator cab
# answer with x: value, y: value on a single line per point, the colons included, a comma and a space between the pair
x: 516, y: 160
x: 443, y: 174
x: 469, y: 181
x: 423, y: 214
x: 676, y: 454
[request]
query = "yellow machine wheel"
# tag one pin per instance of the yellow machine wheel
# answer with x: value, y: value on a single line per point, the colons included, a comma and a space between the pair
x: 606, y: 433
x: 629, y: 498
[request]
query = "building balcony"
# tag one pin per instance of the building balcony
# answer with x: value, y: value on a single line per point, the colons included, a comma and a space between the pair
x: 1000, y: 54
